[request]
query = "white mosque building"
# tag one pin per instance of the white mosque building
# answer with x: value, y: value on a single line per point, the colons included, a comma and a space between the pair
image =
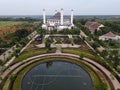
x: 58, y: 21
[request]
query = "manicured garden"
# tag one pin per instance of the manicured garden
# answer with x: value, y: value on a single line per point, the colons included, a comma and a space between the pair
x: 32, y: 50
x: 99, y: 80
x: 82, y: 51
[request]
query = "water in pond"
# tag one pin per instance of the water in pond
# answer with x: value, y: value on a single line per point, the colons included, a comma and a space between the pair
x: 57, y: 75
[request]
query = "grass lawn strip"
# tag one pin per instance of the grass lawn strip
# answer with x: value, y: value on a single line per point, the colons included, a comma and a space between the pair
x: 80, y: 51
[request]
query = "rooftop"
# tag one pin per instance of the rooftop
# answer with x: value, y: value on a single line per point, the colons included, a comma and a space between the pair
x: 92, y: 25
x: 58, y: 16
x: 109, y: 34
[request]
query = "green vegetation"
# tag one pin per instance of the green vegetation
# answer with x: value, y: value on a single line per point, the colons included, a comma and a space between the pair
x: 48, y: 44
x: 111, y: 24
x: 81, y: 51
x: 111, y: 57
x: 28, y: 52
x: 15, y: 33
x: 72, y: 31
x: 5, y: 23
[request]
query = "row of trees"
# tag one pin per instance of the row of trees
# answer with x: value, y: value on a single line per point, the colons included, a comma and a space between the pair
x: 71, y: 31
x: 29, y: 19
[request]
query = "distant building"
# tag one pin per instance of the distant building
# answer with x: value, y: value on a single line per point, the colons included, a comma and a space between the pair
x: 108, y: 36
x: 58, y: 21
x: 93, y: 26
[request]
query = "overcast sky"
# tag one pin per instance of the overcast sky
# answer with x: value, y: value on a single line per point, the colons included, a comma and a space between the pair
x: 81, y: 7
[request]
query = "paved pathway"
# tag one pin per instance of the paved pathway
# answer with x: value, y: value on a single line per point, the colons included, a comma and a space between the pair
x: 58, y: 47
x: 83, y: 34
x: 11, y: 60
x: 62, y: 45
x: 7, y: 53
x: 103, y: 69
x: 115, y: 82
x: 88, y: 44
x: 111, y: 49
x: 4, y: 48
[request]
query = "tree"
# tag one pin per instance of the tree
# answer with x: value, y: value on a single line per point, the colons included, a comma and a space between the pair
x: 1, y: 78
x: 23, y: 42
x: 103, y: 86
x: 99, y: 32
x: 81, y: 55
x: 104, y: 53
x: 116, y: 58
x: 1, y: 62
x: 95, y: 32
x: 12, y: 77
x: 17, y: 51
x: 95, y: 45
x: 21, y: 33
x: 116, y: 61
x: 48, y: 44
x: 41, y: 31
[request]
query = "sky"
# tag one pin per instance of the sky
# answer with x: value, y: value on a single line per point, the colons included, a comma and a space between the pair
x: 80, y: 7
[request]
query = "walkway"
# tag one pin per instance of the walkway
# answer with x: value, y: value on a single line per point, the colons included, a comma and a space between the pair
x: 7, y: 53
x: 58, y: 47
x: 11, y: 60
x: 62, y: 45
x: 103, y: 69
x: 115, y: 82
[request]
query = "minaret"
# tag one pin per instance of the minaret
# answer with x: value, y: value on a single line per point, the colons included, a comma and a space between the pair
x: 44, y: 18
x: 44, y: 26
x: 72, y: 17
x: 61, y: 16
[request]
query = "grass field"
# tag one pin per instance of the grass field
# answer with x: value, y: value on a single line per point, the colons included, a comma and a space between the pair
x: 85, y: 51
x: 7, y: 27
x: 6, y: 23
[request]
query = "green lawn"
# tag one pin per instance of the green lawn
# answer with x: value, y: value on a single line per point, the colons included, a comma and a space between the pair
x: 84, y: 51
x: 32, y: 50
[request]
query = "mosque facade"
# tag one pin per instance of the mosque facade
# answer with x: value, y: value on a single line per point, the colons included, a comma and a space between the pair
x: 57, y: 21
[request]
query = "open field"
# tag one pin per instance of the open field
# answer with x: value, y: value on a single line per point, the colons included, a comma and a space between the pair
x: 7, y: 27
x: 6, y: 23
